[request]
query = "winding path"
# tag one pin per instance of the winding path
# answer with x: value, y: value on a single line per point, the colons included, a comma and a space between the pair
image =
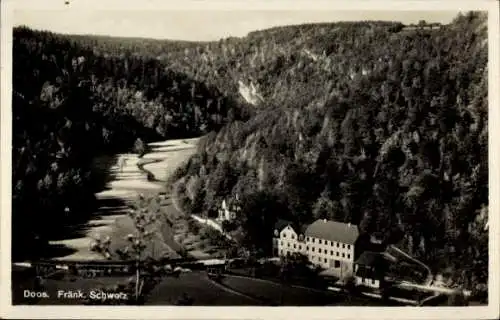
x: 429, y: 277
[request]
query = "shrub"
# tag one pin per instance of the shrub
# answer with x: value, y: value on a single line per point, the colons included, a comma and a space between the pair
x: 139, y: 147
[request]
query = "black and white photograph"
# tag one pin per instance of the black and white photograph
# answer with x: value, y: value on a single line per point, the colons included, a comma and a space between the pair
x: 208, y: 156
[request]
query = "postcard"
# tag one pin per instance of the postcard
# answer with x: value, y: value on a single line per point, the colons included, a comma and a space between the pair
x: 250, y: 159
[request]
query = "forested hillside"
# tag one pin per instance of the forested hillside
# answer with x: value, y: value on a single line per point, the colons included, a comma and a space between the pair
x: 72, y: 102
x: 367, y: 123
x: 363, y: 122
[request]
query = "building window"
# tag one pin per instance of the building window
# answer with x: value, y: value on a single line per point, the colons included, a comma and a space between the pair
x: 307, y: 248
x: 281, y: 242
x: 337, y: 264
x: 348, y: 256
x: 300, y: 247
x: 343, y: 246
x: 312, y: 249
x: 284, y: 234
x: 288, y: 245
x: 343, y: 255
x: 331, y: 252
x: 313, y: 240
x: 337, y: 254
x: 337, y: 244
x: 348, y: 246
x: 293, y: 237
x: 295, y: 246
x: 319, y: 250
x: 281, y: 252
x: 307, y: 238
x: 319, y: 241
x: 326, y: 260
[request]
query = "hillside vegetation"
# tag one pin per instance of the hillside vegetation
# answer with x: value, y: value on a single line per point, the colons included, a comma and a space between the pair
x: 70, y: 103
x: 367, y: 123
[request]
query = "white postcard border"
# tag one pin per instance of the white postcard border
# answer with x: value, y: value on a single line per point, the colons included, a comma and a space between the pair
x: 103, y: 312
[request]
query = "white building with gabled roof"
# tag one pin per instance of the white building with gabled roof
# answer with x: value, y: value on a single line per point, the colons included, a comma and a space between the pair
x: 326, y: 243
x: 288, y: 239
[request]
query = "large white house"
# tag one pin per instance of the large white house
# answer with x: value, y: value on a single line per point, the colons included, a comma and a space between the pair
x: 326, y: 243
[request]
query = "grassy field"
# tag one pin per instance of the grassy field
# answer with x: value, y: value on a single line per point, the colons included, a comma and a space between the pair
x: 279, y: 294
x: 158, y: 246
x: 207, y: 293
x: 195, y: 285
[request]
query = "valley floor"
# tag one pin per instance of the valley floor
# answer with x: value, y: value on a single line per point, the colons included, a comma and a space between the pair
x: 126, y: 183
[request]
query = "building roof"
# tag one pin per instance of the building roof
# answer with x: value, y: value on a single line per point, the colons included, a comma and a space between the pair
x: 303, y: 228
x: 372, y: 265
x: 281, y: 224
x: 369, y: 273
x: 369, y: 258
x: 333, y: 231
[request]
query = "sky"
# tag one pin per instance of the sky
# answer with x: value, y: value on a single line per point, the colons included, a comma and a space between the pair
x: 196, y: 25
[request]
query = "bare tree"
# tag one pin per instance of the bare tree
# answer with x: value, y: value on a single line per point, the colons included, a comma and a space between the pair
x: 145, y: 217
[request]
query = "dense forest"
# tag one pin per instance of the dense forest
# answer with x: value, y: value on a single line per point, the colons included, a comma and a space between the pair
x: 364, y: 122
x: 71, y: 103
x: 369, y: 123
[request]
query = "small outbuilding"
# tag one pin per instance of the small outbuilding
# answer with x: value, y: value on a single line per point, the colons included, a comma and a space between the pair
x: 370, y: 269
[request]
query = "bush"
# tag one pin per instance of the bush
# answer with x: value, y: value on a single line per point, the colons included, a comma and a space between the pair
x: 150, y: 176
x: 139, y: 147
x: 457, y: 300
x: 229, y: 226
